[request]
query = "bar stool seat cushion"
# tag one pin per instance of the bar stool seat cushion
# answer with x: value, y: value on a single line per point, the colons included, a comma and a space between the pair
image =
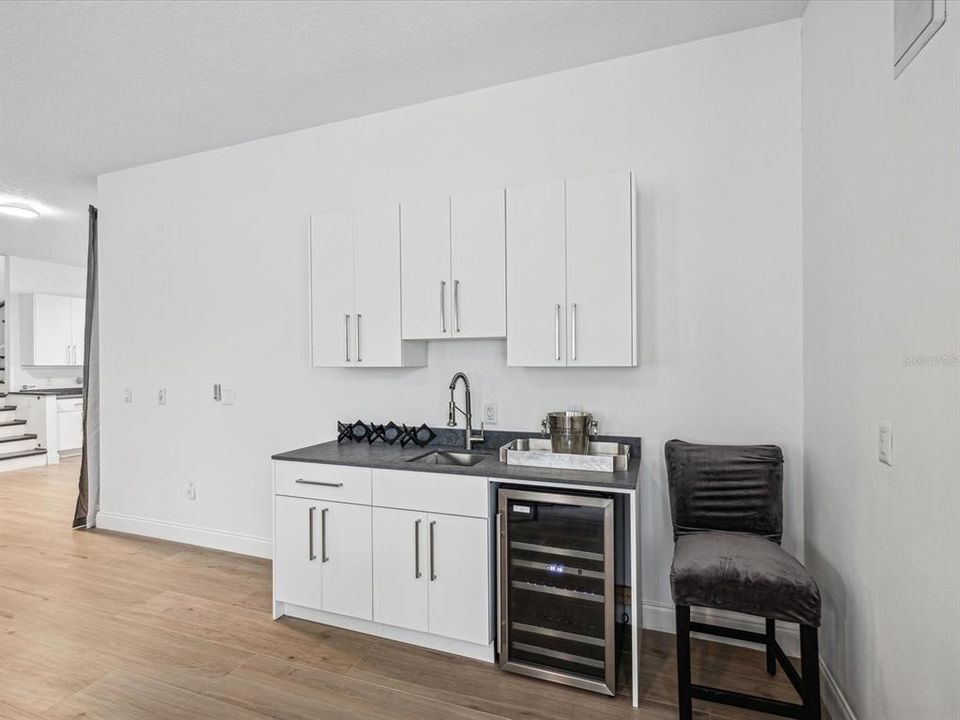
x: 745, y: 573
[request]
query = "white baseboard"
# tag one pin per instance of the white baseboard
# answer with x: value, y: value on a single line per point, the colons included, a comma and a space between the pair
x: 833, y: 698
x: 188, y: 534
x: 661, y: 617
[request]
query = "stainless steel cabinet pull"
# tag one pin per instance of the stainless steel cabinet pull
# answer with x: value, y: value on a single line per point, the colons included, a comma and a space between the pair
x: 301, y: 481
x: 456, y: 305
x: 573, y: 332
x: 416, y: 550
x: 359, y: 359
x: 443, y: 306
x: 500, y: 598
x: 556, y: 331
x: 323, y: 535
x: 68, y: 354
x: 346, y: 336
x: 433, y: 566
x: 310, y: 515
x: 74, y: 354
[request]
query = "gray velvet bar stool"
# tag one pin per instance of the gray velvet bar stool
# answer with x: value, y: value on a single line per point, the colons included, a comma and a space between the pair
x: 726, y: 503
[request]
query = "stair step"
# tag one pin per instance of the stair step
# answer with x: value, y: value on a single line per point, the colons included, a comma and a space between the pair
x: 14, y: 438
x: 22, y: 453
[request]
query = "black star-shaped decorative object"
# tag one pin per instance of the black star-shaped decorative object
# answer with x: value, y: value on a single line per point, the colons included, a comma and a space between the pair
x: 359, y: 431
x: 409, y: 435
x: 391, y: 433
x: 376, y: 431
x: 422, y: 435
x: 344, y: 431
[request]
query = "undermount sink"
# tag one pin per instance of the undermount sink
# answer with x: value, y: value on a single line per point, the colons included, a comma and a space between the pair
x: 461, y: 459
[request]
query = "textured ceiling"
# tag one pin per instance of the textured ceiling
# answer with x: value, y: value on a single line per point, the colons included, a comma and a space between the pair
x: 90, y: 87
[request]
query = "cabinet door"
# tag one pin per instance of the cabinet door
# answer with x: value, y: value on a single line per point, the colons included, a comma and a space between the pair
x: 377, y: 287
x: 52, y: 329
x: 536, y: 290
x: 400, y: 574
x: 425, y: 268
x: 78, y: 321
x: 346, y: 558
x: 331, y: 289
x: 296, y: 551
x: 478, y: 262
x: 459, y: 569
x: 600, y: 270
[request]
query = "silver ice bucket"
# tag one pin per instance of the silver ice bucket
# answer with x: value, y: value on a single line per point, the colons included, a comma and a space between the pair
x: 569, y: 431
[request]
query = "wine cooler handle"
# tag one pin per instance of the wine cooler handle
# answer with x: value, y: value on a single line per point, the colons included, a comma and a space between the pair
x: 500, y: 598
x: 416, y: 550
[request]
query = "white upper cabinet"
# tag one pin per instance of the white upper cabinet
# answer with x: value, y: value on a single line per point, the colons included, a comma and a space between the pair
x: 52, y: 330
x: 601, y: 271
x: 478, y: 264
x: 536, y: 286
x: 572, y: 273
x: 331, y: 288
x: 453, y: 274
x: 355, y: 290
x: 425, y: 268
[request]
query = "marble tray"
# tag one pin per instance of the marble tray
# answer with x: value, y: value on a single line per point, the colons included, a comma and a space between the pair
x: 536, y: 452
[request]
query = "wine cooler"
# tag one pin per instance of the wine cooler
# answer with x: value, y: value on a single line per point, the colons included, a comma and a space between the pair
x: 555, y: 580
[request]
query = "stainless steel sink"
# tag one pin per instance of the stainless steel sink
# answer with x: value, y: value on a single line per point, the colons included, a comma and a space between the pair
x: 443, y: 457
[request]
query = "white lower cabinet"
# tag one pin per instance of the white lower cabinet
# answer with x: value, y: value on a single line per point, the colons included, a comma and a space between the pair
x: 431, y: 573
x: 297, y: 577
x: 459, y: 584
x: 399, y: 576
x: 323, y: 556
x: 346, y: 559
x: 409, y: 552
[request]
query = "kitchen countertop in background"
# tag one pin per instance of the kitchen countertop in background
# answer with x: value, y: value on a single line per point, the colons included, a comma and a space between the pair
x: 62, y: 392
x: 393, y: 457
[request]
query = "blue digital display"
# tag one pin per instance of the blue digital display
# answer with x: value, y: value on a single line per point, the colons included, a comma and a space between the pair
x: 556, y: 568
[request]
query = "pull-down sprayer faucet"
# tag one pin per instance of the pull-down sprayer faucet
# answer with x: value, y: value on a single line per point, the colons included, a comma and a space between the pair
x: 469, y: 437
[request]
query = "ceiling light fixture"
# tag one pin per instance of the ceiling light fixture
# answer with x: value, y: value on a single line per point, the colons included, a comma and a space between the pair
x: 17, y: 210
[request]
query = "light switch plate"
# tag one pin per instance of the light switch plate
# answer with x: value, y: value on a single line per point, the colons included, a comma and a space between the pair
x: 228, y: 396
x: 162, y: 396
x: 885, y: 443
x: 128, y: 395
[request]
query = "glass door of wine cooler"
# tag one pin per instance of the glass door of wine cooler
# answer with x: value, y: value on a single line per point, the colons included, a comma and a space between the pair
x: 556, y: 587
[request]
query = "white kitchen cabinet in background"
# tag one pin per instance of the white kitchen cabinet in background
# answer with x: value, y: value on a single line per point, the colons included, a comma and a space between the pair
x: 572, y: 273
x: 51, y: 330
x: 355, y: 291
x: 453, y: 266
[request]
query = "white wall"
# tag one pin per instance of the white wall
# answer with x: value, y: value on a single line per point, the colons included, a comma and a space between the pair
x: 881, y: 213
x: 204, y: 280
x: 26, y: 275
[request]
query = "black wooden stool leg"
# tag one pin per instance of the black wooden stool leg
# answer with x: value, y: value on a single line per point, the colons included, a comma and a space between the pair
x: 771, y: 640
x: 683, y: 662
x: 810, y: 669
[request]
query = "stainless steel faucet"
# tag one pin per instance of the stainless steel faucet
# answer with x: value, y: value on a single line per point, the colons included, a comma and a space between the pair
x: 469, y: 437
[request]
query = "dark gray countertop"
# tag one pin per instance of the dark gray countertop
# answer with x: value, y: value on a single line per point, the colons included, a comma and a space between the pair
x: 393, y: 457
x: 62, y: 392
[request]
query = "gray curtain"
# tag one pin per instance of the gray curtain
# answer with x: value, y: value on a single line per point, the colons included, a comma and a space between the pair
x: 89, y: 495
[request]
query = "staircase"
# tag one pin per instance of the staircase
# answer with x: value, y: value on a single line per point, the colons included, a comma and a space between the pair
x: 18, y: 449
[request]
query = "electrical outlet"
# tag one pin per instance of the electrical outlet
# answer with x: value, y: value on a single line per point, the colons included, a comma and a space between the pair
x: 191, y: 490
x: 162, y: 396
x: 490, y: 413
x: 885, y: 443
x: 128, y: 395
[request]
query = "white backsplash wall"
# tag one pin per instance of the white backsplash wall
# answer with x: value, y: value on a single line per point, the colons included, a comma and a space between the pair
x: 204, y: 280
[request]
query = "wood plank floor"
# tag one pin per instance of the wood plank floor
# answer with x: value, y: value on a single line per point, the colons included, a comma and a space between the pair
x: 102, y: 625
